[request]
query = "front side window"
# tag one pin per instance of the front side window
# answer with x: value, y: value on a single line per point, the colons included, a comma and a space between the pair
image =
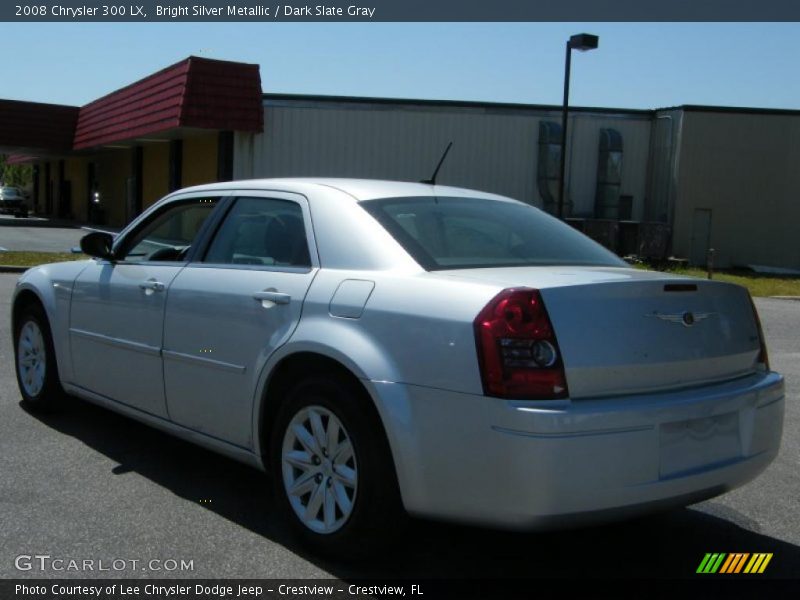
x: 261, y: 231
x: 170, y: 234
x: 460, y: 233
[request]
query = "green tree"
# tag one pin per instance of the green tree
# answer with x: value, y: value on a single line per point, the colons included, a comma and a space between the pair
x: 17, y: 175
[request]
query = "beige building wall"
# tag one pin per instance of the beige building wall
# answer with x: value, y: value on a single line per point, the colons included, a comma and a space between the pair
x: 745, y: 169
x: 199, y: 159
x: 41, y: 201
x: 48, y: 185
x: 113, y: 172
x: 75, y: 172
x: 155, y: 173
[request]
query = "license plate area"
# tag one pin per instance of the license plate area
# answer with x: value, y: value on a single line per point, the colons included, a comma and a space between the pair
x: 695, y: 444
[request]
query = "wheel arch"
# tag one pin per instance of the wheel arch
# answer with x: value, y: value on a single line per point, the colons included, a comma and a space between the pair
x: 22, y: 299
x: 307, y: 360
x: 51, y: 286
x: 29, y: 295
x: 28, y: 306
x: 284, y: 370
x: 37, y: 285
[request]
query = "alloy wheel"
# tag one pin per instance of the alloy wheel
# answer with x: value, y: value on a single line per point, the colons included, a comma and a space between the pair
x: 31, y: 358
x: 320, y: 472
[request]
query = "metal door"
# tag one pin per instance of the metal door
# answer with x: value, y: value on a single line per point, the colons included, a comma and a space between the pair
x: 115, y: 332
x: 117, y: 309
x: 228, y: 313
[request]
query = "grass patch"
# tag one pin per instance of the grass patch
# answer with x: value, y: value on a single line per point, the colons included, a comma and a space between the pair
x: 32, y: 259
x: 758, y: 284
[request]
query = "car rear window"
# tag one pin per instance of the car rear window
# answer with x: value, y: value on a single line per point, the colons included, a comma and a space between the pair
x: 10, y: 192
x: 461, y: 233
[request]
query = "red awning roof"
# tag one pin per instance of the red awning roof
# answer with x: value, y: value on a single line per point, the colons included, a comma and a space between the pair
x: 196, y: 92
x: 20, y: 159
x: 33, y: 127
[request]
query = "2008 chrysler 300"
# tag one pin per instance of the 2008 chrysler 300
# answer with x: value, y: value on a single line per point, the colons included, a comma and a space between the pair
x: 383, y: 346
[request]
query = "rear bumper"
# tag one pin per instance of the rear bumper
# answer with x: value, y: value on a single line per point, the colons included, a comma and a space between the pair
x: 530, y: 465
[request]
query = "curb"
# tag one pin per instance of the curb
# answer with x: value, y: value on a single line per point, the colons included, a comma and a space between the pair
x: 13, y: 269
x: 795, y: 298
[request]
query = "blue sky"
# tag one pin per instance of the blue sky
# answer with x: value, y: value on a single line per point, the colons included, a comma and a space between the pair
x: 638, y: 65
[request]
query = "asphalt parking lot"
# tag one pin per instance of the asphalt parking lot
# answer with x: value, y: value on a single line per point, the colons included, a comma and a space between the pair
x: 39, y: 239
x: 88, y: 484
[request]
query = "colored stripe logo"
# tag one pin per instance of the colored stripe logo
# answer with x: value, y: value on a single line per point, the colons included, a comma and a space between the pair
x: 736, y: 562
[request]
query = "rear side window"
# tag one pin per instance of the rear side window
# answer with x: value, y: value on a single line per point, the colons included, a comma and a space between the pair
x: 261, y: 231
x: 460, y: 233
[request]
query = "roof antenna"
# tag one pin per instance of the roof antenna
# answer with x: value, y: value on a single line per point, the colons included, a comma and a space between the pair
x: 432, y: 180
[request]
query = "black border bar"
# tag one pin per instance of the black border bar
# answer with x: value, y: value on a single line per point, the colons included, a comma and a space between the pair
x: 701, y: 586
x: 398, y: 10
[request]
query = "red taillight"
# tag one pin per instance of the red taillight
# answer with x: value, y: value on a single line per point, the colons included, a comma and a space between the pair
x: 517, y: 349
x: 763, y: 357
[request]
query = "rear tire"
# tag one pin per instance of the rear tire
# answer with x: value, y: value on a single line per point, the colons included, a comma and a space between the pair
x: 35, y: 360
x: 333, y: 473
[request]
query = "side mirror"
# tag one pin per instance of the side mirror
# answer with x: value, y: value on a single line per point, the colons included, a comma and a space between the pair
x: 98, y: 244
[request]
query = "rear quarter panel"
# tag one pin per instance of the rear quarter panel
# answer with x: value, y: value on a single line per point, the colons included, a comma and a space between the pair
x: 415, y: 328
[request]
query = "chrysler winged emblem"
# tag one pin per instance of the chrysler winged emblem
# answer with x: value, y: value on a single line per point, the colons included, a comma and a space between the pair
x: 686, y: 318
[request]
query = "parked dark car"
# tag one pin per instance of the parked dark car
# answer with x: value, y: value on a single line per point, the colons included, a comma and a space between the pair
x: 12, y: 201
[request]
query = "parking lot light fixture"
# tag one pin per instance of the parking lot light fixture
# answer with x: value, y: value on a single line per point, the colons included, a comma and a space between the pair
x: 582, y: 42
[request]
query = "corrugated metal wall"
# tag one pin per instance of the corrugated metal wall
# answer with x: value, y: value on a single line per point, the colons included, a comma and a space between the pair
x: 495, y: 149
x: 743, y: 168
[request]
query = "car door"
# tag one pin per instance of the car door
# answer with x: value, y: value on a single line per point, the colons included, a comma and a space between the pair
x: 229, y: 310
x: 117, y: 310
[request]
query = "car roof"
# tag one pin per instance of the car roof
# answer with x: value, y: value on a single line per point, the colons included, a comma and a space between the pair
x: 358, y: 189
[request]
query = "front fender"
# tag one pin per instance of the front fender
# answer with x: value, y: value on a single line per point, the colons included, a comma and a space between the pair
x: 52, y: 285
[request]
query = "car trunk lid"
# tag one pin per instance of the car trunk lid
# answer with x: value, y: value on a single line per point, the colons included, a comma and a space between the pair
x: 626, y: 331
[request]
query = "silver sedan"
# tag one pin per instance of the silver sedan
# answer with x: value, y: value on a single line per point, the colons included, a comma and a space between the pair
x: 390, y: 348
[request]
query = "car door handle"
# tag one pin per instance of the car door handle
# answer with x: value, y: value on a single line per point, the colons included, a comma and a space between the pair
x: 151, y: 285
x: 274, y: 297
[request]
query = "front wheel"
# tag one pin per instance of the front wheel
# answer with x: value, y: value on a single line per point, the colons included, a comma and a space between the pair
x: 37, y: 373
x: 333, y: 473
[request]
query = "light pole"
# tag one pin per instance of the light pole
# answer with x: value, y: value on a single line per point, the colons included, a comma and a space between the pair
x: 581, y: 42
